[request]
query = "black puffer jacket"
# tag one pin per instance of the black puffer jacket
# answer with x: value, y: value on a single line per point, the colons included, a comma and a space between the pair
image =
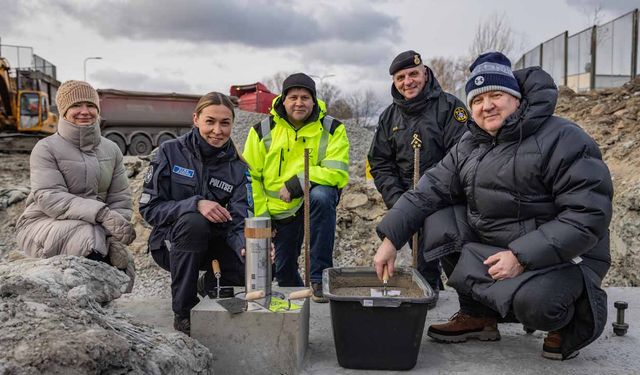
x: 539, y: 188
x: 438, y: 118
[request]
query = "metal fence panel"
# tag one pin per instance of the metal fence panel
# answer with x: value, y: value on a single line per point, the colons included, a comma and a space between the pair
x: 579, y: 61
x: 519, y: 64
x: 613, y: 52
x: 553, y: 58
x: 19, y: 57
x: 44, y: 66
x: 532, y: 58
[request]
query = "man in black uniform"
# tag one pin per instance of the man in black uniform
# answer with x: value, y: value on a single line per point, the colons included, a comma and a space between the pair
x: 422, y: 115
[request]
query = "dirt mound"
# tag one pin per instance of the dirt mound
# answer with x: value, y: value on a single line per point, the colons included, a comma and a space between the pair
x: 611, y: 117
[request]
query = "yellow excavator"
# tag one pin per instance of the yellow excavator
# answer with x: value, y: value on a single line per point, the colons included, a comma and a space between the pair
x: 25, y: 103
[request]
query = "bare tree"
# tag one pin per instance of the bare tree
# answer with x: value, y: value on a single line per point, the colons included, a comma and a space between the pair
x: 493, y: 33
x: 365, y: 105
x: 340, y: 109
x: 274, y: 82
x: 446, y: 71
x: 593, y: 12
x: 328, y: 93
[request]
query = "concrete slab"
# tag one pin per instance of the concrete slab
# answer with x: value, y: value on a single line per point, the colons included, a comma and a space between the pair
x: 517, y: 352
x: 256, y: 341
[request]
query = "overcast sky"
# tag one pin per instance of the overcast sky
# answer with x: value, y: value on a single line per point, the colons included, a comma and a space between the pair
x: 207, y: 45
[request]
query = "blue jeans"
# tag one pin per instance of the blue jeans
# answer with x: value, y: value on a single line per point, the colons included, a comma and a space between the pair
x: 290, y: 233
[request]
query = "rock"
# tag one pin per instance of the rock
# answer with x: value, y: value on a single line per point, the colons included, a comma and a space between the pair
x: 598, y: 110
x: 374, y: 213
x: 621, y: 112
x: 13, y: 195
x: 54, y: 319
x: 567, y: 92
x: 351, y: 201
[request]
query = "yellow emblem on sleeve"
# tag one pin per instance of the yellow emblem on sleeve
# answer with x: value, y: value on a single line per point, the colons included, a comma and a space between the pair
x: 460, y: 114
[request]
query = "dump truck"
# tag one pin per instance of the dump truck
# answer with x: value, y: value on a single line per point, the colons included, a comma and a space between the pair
x: 27, y: 112
x: 254, y: 97
x: 140, y: 121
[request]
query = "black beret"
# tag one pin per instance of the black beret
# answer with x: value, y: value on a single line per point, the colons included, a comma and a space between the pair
x: 406, y: 59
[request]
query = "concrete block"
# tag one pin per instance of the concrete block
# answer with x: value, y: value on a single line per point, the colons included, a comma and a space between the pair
x: 256, y: 341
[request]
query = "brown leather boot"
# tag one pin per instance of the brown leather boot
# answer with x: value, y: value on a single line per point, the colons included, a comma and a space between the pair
x: 461, y: 327
x: 552, y: 347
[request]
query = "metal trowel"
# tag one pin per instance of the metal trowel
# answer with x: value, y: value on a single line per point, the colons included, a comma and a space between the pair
x: 384, y: 292
x: 237, y: 305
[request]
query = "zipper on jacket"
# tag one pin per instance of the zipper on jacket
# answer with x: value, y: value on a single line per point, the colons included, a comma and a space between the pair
x: 281, y: 160
x: 199, y: 167
x: 472, y: 201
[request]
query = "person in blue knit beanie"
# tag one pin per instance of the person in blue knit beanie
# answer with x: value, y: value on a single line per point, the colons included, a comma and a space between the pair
x: 534, y: 239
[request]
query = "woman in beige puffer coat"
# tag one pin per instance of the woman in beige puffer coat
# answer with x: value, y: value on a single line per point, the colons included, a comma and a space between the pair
x: 80, y: 201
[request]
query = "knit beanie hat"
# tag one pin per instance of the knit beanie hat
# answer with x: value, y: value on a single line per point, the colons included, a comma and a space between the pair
x: 72, y: 92
x: 299, y: 80
x: 404, y: 60
x: 491, y: 72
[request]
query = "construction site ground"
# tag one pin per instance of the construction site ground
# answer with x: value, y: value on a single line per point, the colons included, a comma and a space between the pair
x: 516, y: 352
x: 611, y: 117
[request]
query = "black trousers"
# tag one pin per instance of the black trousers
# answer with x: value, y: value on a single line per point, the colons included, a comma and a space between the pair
x: 546, y: 302
x: 194, y: 243
x: 432, y: 270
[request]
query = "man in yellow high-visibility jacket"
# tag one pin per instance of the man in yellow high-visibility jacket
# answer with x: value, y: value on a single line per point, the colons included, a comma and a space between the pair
x: 274, y: 151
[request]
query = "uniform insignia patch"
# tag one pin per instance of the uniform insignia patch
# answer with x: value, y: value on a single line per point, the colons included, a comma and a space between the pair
x: 149, y: 174
x: 215, y: 183
x: 182, y: 171
x: 460, y: 114
x: 416, y: 59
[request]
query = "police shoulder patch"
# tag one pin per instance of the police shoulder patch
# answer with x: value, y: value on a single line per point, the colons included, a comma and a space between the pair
x: 460, y: 114
x: 145, y: 198
x: 149, y: 175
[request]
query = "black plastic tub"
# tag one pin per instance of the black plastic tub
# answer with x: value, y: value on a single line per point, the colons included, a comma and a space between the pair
x: 376, y: 332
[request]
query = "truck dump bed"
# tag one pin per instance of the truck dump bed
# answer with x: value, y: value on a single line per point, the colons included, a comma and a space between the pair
x: 139, y: 121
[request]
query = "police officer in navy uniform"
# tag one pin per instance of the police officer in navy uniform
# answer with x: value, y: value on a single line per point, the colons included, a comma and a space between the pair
x: 197, y: 194
x: 424, y: 115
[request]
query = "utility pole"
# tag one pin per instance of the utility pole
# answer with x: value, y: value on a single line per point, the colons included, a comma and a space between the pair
x: 85, y: 65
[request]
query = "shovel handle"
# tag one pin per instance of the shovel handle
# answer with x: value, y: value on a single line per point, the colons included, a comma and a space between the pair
x: 257, y: 294
x: 216, y: 268
x: 300, y: 294
x: 385, y: 274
